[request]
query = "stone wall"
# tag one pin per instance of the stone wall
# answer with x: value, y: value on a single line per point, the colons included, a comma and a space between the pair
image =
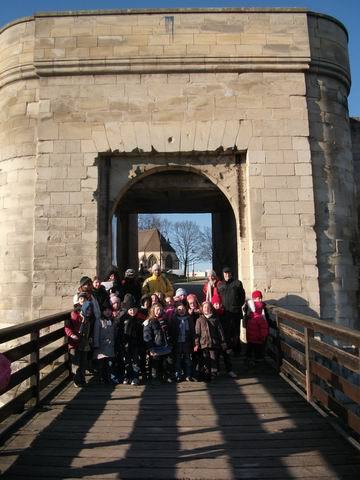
x: 332, y: 160
x: 174, y: 82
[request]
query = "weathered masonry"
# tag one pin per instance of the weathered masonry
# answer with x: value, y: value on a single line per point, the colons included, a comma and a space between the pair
x: 242, y: 113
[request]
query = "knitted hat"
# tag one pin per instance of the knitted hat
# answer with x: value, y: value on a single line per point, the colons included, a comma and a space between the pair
x: 130, y: 273
x: 106, y: 305
x: 84, y: 280
x: 226, y: 270
x: 256, y: 294
x: 129, y: 301
x: 114, y: 298
x: 180, y: 291
x: 144, y: 298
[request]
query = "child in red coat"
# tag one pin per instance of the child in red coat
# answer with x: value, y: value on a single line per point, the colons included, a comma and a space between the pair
x: 257, y: 327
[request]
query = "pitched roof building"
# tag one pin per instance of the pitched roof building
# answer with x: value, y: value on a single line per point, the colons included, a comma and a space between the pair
x: 154, y: 248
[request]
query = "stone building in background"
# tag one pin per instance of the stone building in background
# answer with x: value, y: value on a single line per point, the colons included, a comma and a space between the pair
x: 238, y: 112
x: 154, y: 248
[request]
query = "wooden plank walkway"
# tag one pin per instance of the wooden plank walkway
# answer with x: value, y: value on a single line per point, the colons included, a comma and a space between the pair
x: 255, y: 427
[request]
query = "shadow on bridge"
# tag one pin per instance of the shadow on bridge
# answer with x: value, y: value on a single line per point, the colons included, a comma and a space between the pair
x: 254, y: 427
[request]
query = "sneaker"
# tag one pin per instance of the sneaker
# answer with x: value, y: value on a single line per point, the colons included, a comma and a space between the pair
x: 126, y: 381
x: 189, y: 379
x: 232, y: 374
x: 135, y: 381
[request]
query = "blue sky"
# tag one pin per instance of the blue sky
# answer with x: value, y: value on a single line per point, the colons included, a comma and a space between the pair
x: 347, y: 11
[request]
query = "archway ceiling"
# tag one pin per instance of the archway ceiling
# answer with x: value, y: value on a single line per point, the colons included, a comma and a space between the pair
x: 171, y: 192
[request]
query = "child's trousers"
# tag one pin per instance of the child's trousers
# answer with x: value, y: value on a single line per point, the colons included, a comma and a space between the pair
x: 210, y: 357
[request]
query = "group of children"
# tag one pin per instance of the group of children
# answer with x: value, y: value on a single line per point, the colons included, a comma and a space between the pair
x: 157, y: 338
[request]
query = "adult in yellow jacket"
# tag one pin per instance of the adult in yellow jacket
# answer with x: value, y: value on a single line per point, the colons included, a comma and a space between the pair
x: 157, y: 283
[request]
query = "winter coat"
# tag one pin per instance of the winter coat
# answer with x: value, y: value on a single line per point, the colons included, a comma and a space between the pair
x: 157, y: 284
x: 72, y: 329
x: 209, y: 333
x: 257, y: 326
x: 132, y: 286
x: 101, y: 295
x: 104, y: 338
x: 232, y: 295
x: 175, y: 332
x: 132, y: 337
x: 95, y: 303
x: 156, y: 333
x: 86, y: 334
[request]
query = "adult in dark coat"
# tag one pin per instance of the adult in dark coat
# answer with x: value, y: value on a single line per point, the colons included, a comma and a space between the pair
x: 232, y: 295
x: 130, y: 284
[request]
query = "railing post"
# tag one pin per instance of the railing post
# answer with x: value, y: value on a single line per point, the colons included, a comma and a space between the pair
x: 308, y: 334
x: 34, y: 358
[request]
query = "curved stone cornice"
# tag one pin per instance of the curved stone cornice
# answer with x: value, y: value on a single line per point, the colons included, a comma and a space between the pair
x: 187, y: 64
x: 170, y: 64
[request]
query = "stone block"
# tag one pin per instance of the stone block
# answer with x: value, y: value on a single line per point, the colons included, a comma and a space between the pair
x: 306, y: 194
x: 307, y: 219
x: 276, y: 233
x: 272, y: 207
x: 304, y: 207
x: 286, y: 194
x: 275, y: 182
x: 268, y: 246
x: 303, y: 169
x: 271, y: 220
x: 269, y: 195
x: 273, y: 156
x: 290, y: 245
x: 290, y: 220
x: 100, y: 140
x: 74, y: 131
x: 202, y: 136
x: 88, y: 146
x: 286, y: 285
x: 256, y: 157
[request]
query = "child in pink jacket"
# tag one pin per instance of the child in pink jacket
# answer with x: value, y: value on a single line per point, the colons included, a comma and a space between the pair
x: 257, y: 327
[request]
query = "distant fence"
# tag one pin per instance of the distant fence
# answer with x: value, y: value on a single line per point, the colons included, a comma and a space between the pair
x: 42, y: 359
x: 321, y: 358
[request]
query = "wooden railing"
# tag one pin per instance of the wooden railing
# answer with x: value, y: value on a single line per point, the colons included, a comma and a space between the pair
x: 322, y: 359
x: 42, y: 365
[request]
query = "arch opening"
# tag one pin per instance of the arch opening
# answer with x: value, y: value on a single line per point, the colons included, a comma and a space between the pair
x: 166, y: 190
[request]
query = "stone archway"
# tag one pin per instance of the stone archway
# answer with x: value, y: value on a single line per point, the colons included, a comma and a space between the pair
x: 165, y: 189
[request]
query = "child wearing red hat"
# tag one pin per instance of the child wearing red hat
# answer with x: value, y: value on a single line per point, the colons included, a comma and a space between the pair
x: 257, y: 327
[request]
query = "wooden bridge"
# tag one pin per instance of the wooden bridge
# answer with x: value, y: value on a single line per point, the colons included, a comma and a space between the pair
x: 297, y: 420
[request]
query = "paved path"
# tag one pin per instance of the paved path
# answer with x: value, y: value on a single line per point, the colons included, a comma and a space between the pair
x: 255, y: 427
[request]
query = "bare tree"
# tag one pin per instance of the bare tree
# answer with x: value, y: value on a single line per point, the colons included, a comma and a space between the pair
x: 207, y: 244
x: 187, y: 241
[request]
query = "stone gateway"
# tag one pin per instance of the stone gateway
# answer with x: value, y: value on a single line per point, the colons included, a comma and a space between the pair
x: 238, y: 112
